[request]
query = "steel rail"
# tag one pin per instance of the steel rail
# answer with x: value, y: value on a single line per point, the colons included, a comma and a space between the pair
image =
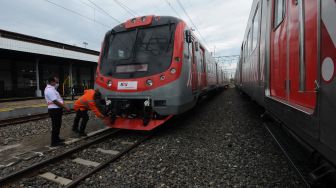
x: 287, y: 156
x: 19, y: 174
x: 24, y: 119
x: 75, y: 182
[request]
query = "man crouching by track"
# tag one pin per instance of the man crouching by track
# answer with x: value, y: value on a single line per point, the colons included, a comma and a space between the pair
x: 91, y: 100
x: 55, y: 106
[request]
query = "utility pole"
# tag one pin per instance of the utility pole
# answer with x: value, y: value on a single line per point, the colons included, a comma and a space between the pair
x: 85, y: 44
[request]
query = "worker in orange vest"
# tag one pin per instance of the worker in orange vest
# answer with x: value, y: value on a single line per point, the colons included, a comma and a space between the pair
x: 91, y: 100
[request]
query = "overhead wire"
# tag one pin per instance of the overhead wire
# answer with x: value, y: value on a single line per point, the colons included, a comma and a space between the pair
x: 126, y: 8
x: 115, y: 19
x: 81, y: 1
x: 77, y: 13
x: 169, y: 4
x: 186, y: 13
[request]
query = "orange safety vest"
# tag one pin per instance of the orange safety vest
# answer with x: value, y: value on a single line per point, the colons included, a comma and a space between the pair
x: 87, y: 102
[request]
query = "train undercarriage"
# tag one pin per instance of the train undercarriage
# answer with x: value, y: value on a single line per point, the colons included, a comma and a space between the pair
x: 137, y: 114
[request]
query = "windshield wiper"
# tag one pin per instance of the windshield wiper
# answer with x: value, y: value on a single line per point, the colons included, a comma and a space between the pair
x: 133, y: 48
x: 170, y: 37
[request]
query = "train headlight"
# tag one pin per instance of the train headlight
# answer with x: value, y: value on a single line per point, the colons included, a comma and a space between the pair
x: 109, y: 83
x: 149, y: 82
x: 143, y: 19
x: 162, y: 77
x: 172, y: 70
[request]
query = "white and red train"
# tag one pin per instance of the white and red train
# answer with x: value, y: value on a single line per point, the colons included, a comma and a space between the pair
x: 153, y: 67
x: 287, y: 65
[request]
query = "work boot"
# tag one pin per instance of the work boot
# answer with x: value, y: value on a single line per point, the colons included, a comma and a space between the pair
x: 60, y: 140
x: 57, y: 144
x: 82, y: 134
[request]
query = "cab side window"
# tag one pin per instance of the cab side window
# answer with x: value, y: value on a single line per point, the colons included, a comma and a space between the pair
x: 249, y: 42
x: 279, y: 12
x: 255, y: 29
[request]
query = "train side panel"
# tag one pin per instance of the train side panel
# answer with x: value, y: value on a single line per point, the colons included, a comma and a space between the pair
x: 327, y: 66
x: 293, y: 73
x: 251, y: 69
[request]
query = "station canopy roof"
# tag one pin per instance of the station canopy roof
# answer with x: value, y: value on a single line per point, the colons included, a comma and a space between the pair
x: 25, y: 43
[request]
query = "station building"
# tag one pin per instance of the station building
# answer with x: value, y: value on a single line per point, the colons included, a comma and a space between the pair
x: 26, y: 63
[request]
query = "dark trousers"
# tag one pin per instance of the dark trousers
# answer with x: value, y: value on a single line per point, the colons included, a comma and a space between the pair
x: 85, y: 118
x: 56, y: 122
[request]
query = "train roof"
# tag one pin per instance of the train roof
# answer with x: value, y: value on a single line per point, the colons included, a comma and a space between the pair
x: 145, y: 21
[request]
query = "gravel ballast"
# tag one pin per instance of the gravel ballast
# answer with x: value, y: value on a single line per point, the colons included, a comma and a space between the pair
x: 221, y: 143
x: 12, y: 134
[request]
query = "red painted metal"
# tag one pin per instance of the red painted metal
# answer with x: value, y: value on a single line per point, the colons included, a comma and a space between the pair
x: 199, y: 78
x: 169, y: 77
x: 139, y: 21
x: 278, y: 59
x: 328, y: 49
x: 286, y: 39
x: 136, y: 124
x: 305, y: 98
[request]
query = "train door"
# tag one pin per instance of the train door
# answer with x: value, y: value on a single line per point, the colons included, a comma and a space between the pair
x: 194, y: 79
x: 293, y: 53
x: 203, y: 68
x: 302, y: 51
x: 278, y: 51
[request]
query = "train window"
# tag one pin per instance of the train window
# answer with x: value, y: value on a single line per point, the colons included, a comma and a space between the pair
x: 242, y: 51
x: 279, y: 12
x: 186, y: 50
x: 255, y: 28
x: 245, y: 51
x: 249, y: 42
x: 152, y: 46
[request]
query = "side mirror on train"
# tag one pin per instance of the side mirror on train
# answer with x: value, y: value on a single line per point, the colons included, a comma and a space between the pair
x: 188, y: 36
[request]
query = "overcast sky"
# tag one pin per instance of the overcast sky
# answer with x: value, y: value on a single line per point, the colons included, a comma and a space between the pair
x: 221, y: 22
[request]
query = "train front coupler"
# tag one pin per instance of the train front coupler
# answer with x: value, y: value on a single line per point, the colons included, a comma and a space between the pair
x: 130, y: 109
x: 147, y: 112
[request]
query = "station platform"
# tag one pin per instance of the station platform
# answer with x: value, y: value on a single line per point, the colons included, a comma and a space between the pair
x: 20, y: 108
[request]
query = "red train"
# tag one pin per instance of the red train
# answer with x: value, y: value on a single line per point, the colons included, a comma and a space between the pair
x: 153, y: 67
x: 287, y: 65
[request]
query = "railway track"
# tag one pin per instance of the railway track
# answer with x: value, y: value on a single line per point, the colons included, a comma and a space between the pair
x: 292, y: 161
x: 24, y: 119
x: 111, y: 155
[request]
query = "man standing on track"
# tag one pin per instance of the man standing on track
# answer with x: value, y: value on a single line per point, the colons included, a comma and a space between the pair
x: 55, y: 110
x: 91, y: 100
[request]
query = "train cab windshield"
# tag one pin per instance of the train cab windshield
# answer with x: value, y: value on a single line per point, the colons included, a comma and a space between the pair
x: 139, y: 52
